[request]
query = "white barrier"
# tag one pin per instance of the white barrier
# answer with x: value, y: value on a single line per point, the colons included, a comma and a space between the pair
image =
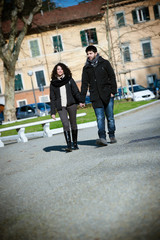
x: 21, y: 137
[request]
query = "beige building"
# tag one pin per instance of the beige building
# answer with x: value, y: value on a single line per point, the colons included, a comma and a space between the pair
x: 126, y: 32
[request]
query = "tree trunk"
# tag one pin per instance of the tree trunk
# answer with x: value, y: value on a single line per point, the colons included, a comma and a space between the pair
x: 9, y: 110
x: 10, y: 48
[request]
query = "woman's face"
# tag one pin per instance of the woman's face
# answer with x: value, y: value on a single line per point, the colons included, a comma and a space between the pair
x: 60, y: 71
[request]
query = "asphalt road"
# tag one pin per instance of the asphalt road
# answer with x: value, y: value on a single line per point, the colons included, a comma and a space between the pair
x: 94, y: 193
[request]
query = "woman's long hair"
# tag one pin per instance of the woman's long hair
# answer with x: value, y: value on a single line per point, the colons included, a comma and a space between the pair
x: 66, y: 71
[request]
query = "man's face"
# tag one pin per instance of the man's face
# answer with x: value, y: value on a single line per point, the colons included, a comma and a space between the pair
x: 91, y: 55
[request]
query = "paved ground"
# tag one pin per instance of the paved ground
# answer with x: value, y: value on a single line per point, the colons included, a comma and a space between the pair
x: 95, y: 193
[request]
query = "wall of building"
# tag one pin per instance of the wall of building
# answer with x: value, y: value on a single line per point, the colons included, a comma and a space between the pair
x: 74, y: 55
x: 134, y: 34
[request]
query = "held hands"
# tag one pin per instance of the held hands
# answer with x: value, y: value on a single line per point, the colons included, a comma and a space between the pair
x: 53, y: 116
x: 82, y: 105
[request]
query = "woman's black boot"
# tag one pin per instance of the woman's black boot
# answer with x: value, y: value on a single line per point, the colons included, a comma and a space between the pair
x: 68, y: 141
x: 74, y: 138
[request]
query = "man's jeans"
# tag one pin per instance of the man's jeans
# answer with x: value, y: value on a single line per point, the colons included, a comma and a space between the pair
x: 100, y: 114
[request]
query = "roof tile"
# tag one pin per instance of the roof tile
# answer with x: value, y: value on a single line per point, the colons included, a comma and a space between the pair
x: 62, y: 15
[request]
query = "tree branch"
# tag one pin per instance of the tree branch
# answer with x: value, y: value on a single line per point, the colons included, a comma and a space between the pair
x: 28, y: 20
x: 13, y: 33
x: 9, y: 52
x: 19, y: 4
x: 2, y: 40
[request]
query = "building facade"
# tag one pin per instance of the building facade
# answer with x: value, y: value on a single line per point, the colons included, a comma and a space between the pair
x: 125, y: 32
x: 135, y: 35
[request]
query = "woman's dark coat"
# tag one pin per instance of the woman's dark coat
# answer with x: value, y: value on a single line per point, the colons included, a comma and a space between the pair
x: 72, y: 91
x: 101, y: 82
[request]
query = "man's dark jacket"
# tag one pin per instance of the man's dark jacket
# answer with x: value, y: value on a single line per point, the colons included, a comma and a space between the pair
x: 101, y: 82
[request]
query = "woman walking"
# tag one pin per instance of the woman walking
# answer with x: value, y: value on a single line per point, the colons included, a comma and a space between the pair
x: 65, y: 96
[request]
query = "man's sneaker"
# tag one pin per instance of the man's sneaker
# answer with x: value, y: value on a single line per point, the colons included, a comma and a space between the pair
x: 113, y: 140
x: 101, y: 142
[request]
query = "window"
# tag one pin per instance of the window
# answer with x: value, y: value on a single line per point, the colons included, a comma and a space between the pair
x: 126, y: 53
x: 34, y: 48
x: 156, y: 9
x: 120, y: 19
x: 146, y: 48
x: 18, y: 83
x: 40, y: 78
x: 57, y: 43
x: 140, y: 15
x: 44, y: 98
x: 22, y: 103
x: 131, y: 81
x: 137, y: 88
x: 151, y: 79
x: 88, y: 37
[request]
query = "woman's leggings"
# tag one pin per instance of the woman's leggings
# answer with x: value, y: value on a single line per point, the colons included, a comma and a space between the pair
x: 71, y: 111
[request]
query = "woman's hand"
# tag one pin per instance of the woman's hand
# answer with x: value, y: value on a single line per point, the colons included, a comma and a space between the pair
x: 53, y: 116
x: 82, y: 105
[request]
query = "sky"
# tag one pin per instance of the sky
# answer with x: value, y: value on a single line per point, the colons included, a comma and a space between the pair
x: 66, y: 3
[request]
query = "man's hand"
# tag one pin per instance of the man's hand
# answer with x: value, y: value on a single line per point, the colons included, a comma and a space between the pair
x: 53, y: 116
x: 112, y: 95
x: 82, y: 105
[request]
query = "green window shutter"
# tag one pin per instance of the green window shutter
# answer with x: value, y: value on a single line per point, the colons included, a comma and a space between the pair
x: 156, y: 13
x: 120, y: 19
x: 57, y: 44
x: 40, y: 78
x: 83, y: 38
x: 34, y: 48
x: 146, y: 13
x: 18, y: 83
x: 134, y: 15
x: 60, y: 44
x: 147, y: 50
x: 94, y: 36
x: 55, y: 41
x: 127, y: 57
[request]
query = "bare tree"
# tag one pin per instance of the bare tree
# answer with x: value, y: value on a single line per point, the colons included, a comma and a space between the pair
x: 10, y: 45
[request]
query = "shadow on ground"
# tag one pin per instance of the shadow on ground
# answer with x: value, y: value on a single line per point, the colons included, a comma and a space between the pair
x: 61, y: 148
x: 145, y: 139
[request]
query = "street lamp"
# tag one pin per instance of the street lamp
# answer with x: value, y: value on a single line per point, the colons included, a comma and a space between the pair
x: 30, y: 73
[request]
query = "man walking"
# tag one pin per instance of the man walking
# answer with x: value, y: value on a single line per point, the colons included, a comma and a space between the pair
x: 99, y: 76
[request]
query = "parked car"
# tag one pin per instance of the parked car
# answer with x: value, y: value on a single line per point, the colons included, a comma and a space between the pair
x: 26, y: 111
x: 49, y: 103
x: 44, y: 108
x: 140, y: 93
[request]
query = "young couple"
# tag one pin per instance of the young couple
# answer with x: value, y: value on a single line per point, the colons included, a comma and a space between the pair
x: 98, y: 75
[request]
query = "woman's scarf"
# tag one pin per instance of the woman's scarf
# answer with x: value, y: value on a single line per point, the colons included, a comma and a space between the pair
x: 60, y: 82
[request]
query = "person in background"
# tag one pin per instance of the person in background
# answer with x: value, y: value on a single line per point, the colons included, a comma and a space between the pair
x: 98, y: 75
x: 65, y: 96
